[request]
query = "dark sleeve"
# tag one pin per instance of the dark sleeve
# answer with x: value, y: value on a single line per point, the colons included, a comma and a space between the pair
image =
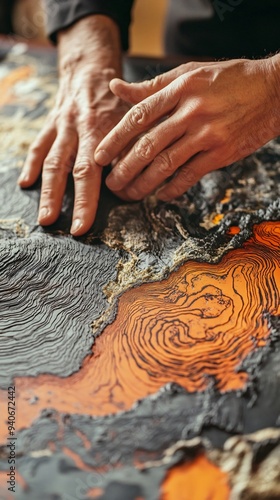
x: 62, y: 13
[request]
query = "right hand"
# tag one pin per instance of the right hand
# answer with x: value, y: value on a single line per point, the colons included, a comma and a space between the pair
x: 84, y: 112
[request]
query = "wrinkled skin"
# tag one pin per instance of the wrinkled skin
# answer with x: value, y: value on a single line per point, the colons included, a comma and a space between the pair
x: 85, y: 110
x: 188, y: 122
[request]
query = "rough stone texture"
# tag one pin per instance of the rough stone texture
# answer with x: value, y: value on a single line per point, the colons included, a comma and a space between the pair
x: 89, y: 326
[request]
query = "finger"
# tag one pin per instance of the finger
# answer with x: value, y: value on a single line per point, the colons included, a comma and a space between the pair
x: 56, y: 168
x: 36, y: 156
x: 122, y: 195
x: 87, y: 178
x: 124, y: 152
x: 144, y: 152
x: 137, y: 120
x: 163, y: 167
x: 136, y: 92
x: 188, y: 175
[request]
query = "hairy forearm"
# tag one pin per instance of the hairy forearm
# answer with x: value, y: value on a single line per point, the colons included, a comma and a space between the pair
x: 94, y: 39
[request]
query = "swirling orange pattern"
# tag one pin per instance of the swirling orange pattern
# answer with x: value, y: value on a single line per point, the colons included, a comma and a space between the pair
x: 194, y: 328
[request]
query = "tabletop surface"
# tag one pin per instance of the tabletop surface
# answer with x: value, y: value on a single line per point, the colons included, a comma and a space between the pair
x: 145, y: 355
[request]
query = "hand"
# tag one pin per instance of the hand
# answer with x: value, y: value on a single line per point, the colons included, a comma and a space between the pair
x: 188, y: 122
x: 85, y: 110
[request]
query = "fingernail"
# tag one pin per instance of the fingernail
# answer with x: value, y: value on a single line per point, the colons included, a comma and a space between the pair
x: 76, y: 225
x: 132, y: 193
x: 102, y: 158
x: 162, y: 196
x: 23, y: 177
x: 110, y: 181
x: 113, y: 182
x: 44, y: 212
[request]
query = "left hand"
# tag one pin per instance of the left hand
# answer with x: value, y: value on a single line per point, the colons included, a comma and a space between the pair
x: 85, y: 110
x: 187, y: 122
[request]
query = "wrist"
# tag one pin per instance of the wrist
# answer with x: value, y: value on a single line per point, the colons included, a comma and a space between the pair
x: 93, y: 40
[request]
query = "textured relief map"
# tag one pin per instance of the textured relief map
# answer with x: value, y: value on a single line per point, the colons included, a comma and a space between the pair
x: 144, y: 356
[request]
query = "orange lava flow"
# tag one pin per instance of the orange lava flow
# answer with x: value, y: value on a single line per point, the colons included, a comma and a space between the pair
x: 197, y: 480
x: 193, y: 328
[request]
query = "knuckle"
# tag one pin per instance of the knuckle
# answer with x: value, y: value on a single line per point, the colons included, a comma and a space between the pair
x: 53, y: 163
x: 218, y: 137
x: 156, y: 82
x: 81, y: 204
x: 211, y: 136
x: 35, y: 149
x: 165, y: 164
x: 65, y: 117
x: 47, y: 193
x: 144, y: 149
x: 56, y: 164
x: 82, y: 169
x: 138, y: 115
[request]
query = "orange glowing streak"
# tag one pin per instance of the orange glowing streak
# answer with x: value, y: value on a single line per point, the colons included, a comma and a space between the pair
x: 197, y: 325
x: 233, y: 230
x: 217, y: 218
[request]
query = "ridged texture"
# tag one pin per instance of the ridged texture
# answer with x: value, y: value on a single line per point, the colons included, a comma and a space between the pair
x: 195, y: 329
x: 50, y: 291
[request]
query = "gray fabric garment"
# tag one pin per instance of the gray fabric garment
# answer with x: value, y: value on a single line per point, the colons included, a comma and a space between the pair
x: 63, y: 13
x: 215, y: 28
